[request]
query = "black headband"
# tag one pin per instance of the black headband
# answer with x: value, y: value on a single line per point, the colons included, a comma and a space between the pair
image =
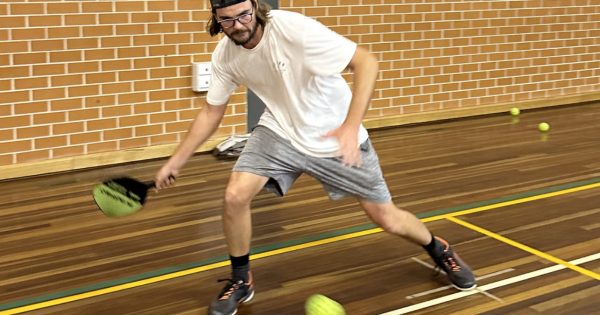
x: 218, y: 4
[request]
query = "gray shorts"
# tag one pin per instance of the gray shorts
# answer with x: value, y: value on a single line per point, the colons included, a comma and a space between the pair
x: 269, y: 155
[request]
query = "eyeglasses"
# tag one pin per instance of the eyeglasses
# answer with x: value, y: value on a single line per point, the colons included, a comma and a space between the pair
x: 243, y: 19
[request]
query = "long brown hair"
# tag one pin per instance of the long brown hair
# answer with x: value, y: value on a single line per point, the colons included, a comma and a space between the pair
x: 262, y: 17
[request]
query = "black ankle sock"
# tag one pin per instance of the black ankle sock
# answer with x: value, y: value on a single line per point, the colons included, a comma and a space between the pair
x: 431, y: 246
x: 239, y: 267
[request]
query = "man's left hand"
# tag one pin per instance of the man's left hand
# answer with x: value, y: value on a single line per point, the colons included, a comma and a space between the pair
x: 348, y: 141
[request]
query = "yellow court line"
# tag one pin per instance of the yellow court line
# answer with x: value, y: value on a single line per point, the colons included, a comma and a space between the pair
x: 514, y: 202
x: 315, y: 243
x: 524, y: 247
x: 182, y: 273
x: 113, y: 289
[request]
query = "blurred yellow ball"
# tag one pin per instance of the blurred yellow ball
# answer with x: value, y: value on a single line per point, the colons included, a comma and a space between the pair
x: 515, y: 111
x: 544, y: 126
x: 321, y: 305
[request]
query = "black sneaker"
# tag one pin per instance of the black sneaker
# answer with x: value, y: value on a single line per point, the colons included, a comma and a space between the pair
x: 459, y: 274
x: 232, y: 295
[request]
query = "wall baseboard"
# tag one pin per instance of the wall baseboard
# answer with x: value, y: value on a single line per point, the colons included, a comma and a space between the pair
x: 398, y: 120
x: 96, y: 160
x: 162, y: 151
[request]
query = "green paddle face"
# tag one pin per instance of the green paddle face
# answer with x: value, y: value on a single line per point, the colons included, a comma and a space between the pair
x: 121, y: 196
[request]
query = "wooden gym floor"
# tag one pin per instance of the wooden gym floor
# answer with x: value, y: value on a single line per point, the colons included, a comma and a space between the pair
x: 521, y: 207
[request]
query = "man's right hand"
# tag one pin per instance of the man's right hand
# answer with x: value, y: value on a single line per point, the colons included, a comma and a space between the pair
x: 165, y: 177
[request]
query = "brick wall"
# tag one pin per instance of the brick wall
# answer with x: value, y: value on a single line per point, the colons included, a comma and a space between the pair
x: 82, y: 77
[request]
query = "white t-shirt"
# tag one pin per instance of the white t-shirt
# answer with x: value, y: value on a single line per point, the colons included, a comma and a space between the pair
x: 296, y: 71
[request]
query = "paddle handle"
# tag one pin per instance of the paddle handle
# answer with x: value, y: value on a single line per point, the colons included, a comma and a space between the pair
x: 152, y: 184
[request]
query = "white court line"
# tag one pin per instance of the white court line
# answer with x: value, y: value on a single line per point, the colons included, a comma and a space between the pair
x: 424, y: 263
x: 420, y: 294
x: 491, y: 296
x: 491, y: 286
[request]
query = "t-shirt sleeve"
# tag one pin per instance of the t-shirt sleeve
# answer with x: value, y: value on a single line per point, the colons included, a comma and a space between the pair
x: 221, y: 85
x: 325, y: 51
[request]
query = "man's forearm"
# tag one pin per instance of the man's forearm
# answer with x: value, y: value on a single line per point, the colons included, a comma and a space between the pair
x: 366, y: 69
x: 204, y: 125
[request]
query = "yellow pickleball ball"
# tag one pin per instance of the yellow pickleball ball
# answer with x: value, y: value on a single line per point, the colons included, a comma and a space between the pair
x: 544, y: 126
x: 321, y: 305
x: 515, y: 111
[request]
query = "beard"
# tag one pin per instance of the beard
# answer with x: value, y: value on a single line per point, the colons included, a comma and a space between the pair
x: 242, y: 37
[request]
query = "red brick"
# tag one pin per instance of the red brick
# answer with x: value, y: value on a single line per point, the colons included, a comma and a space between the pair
x: 103, y: 30
x: 47, y: 20
x: 146, y: 17
x: 6, y: 135
x: 31, y: 107
x: 82, y: 43
x: 63, y: 32
x: 88, y: 137
x: 165, y: 138
x: 83, y: 67
x: 116, y: 111
x: 66, y: 80
x: 116, y: 134
x: 5, y: 85
x: 81, y: 19
x: 49, y: 118
x: 31, y: 83
x: 45, y: 94
x: 33, y: 132
x: 101, y: 124
x: 99, y: 101
x: 66, y: 104
x: 24, y: 34
x: 32, y: 156
x: 134, y: 143
x: 84, y: 114
x: 161, y: 5
x: 134, y: 120
x: 83, y: 90
x: 155, y: 107
x: 116, y: 88
x: 48, y: 45
x: 148, y: 130
x: 114, y: 18
x: 30, y: 58
x: 98, y: 6
x: 50, y: 142
x: 67, y: 128
x: 101, y: 77
x: 65, y: 56
x: 12, y: 97
x: 130, y: 6
x: 135, y: 75
x: 16, y: 146
x: 99, y: 54
x: 56, y: 8
x: 14, y: 72
x: 131, y: 98
x: 131, y: 29
x: 102, y: 147
x: 72, y: 150
x: 175, y: 16
x: 12, y: 21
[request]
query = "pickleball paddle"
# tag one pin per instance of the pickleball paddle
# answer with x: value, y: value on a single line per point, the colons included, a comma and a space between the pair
x: 118, y: 197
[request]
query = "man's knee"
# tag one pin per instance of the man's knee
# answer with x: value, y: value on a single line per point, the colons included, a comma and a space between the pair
x: 236, y: 197
x: 241, y: 189
x: 389, y: 218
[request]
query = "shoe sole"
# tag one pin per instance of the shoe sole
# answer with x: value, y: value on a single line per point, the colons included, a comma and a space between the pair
x: 246, y: 300
x: 465, y: 289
